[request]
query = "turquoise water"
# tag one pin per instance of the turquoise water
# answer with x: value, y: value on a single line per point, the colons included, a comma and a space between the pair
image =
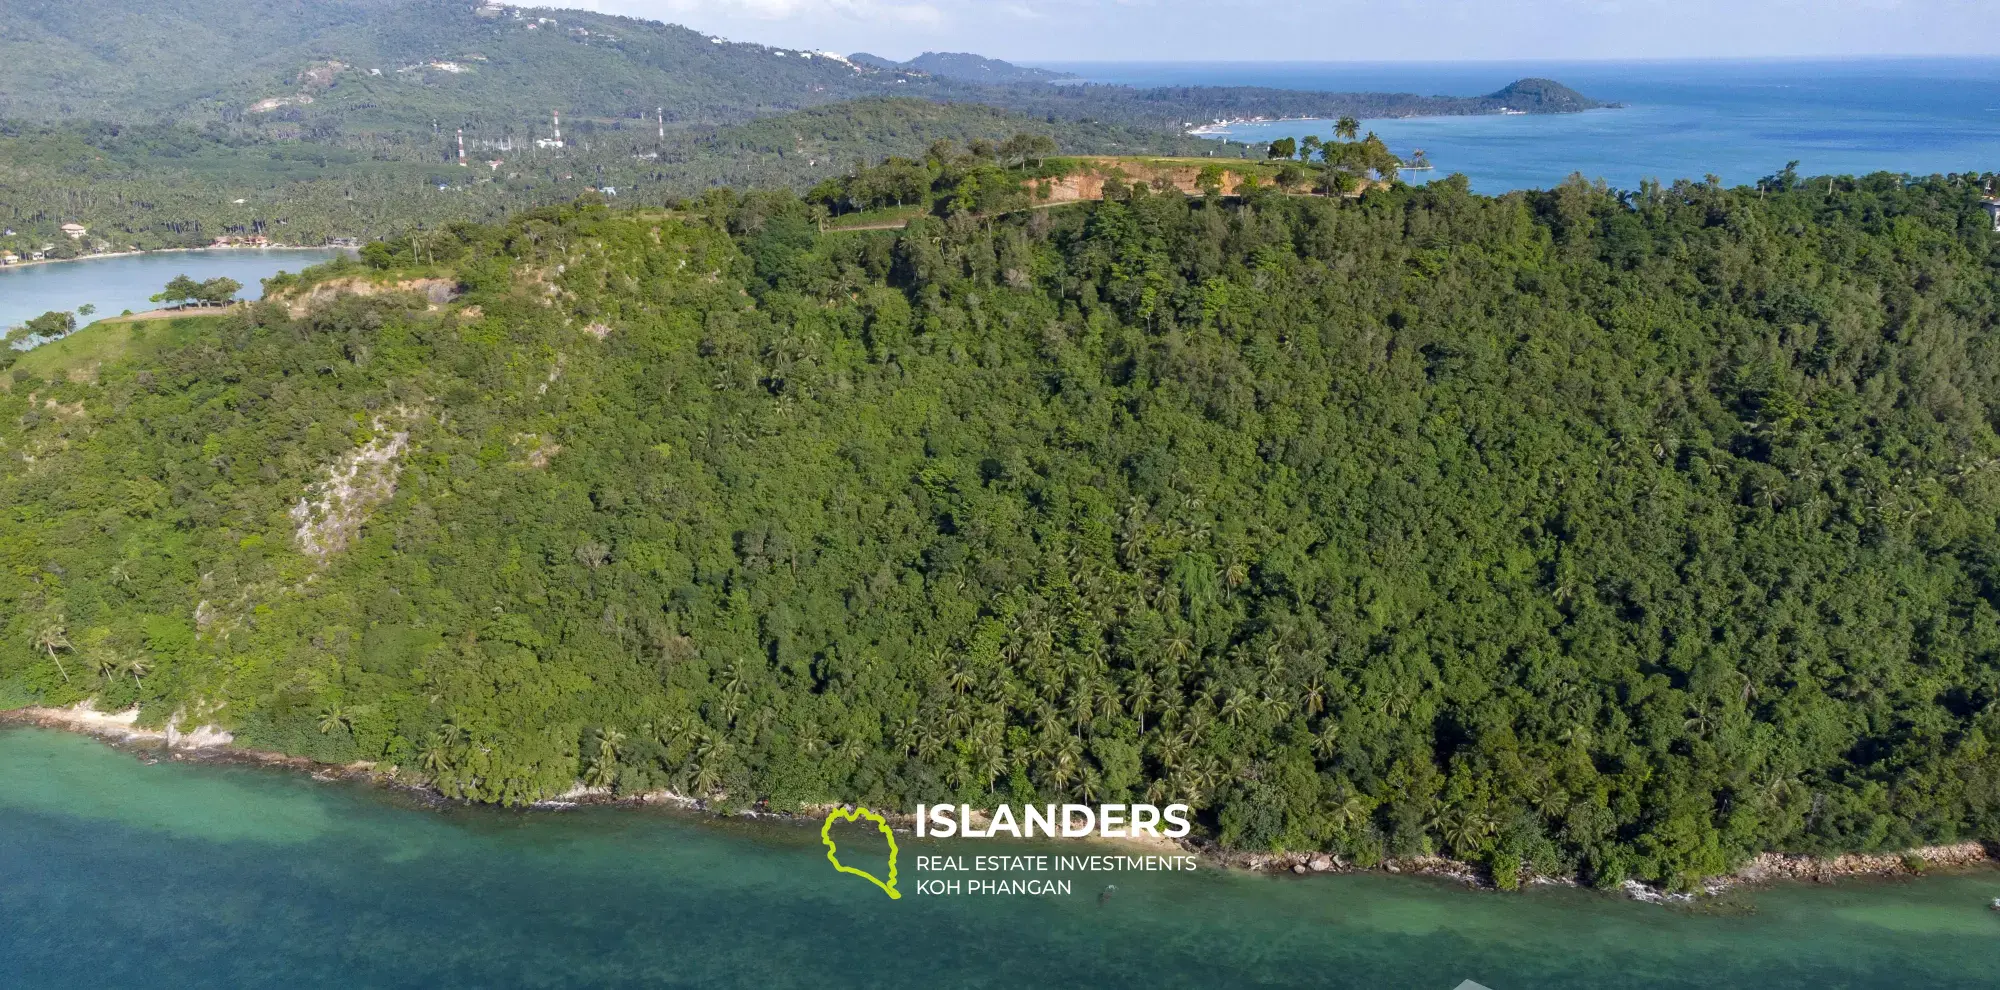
x: 116, y: 872
x: 1683, y: 119
x: 114, y: 285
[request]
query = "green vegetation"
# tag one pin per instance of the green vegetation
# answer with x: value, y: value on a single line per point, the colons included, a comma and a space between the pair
x: 48, y: 326
x: 343, y: 120
x: 165, y: 186
x: 985, y: 178
x: 1334, y: 167
x: 80, y: 355
x: 357, y: 68
x: 964, y: 66
x: 182, y: 290
x: 1624, y: 534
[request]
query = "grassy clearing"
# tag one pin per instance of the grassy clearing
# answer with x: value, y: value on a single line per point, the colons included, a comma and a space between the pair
x: 79, y: 355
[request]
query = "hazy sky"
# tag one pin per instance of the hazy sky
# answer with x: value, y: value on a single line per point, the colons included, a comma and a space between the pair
x: 1341, y: 30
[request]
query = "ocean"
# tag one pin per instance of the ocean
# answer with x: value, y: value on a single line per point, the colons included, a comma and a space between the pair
x: 115, y: 871
x: 1737, y: 119
x: 127, y: 282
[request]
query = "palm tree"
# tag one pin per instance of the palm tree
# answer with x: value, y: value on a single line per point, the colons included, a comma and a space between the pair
x: 960, y: 677
x: 992, y: 761
x: 335, y: 717
x: 1091, y: 785
x: 1140, y: 691
x: 1348, y: 808
x: 1466, y: 830
x: 1347, y: 127
x: 604, y: 765
x: 53, y: 635
x: 1313, y: 698
x: 1326, y: 740
x: 436, y: 757
x: 709, y: 758
x: 106, y: 660
x: 851, y: 750
x: 1236, y: 706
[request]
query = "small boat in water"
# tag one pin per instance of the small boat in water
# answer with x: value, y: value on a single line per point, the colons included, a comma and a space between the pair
x: 1995, y: 905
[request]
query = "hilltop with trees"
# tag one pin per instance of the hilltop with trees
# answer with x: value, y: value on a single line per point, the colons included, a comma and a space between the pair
x: 1624, y: 534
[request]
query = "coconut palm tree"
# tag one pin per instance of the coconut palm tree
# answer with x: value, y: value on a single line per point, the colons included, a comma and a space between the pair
x: 1466, y: 830
x: 1326, y: 741
x: 52, y: 635
x: 105, y: 660
x: 1347, y: 127
x: 1236, y: 706
x: 335, y: 717
x: 1347, y: 808
x: 436, y: 757
x: 1313, y: 698
x: 604, y: 764
x: 1091, y: 785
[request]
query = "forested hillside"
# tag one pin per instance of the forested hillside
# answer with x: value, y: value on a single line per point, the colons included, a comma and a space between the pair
x: 151, y: 186
x: 1624, y: 534
x: 345, y: 69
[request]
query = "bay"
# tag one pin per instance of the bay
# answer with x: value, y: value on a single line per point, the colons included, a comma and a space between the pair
x: 1736, y: 119
x: 118, y: 283
x: 115, y: 871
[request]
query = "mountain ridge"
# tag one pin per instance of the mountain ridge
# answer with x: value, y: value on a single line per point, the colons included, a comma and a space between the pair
x: 333, y: 67
x: 964, y: 66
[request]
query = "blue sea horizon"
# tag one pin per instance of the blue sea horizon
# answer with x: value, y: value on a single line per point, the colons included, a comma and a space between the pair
x: 1738, y: 119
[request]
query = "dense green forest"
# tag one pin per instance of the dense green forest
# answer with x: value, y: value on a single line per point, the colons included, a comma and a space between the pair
x: 1622, y: 533
x: 168, y: 185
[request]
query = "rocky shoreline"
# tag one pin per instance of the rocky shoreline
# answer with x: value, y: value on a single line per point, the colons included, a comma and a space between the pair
x: 209, y: 743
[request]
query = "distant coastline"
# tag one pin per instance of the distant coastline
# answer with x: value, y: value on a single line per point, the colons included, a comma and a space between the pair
x: 174, y: 250
x: 1224, y: 128
x: 212, y: 743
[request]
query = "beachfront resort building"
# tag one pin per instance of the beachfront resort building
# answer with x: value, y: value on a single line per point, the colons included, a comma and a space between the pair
x: 1993, y: 210
x: 75, y: 231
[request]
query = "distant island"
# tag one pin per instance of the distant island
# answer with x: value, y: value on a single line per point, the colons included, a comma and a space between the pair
x: 964, y: 67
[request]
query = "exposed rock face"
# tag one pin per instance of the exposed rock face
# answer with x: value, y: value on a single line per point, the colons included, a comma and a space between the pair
x: 320, y: 75
x: 1088, y: 184
x: 333, y: 510
x: 124, y: 726
x: 436, y: 291
x: 1779, y: 866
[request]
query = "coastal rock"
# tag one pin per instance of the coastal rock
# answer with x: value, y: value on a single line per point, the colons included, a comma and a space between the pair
x: 435, y: 291
x: 124, y: 726
x: 1781, y: 866
x: 1321, y: 864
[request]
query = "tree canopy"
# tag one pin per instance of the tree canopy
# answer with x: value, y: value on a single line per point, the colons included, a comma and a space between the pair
x: 1618, y: 533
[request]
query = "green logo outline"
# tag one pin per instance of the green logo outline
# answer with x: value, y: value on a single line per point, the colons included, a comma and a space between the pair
x: 833, y: 852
